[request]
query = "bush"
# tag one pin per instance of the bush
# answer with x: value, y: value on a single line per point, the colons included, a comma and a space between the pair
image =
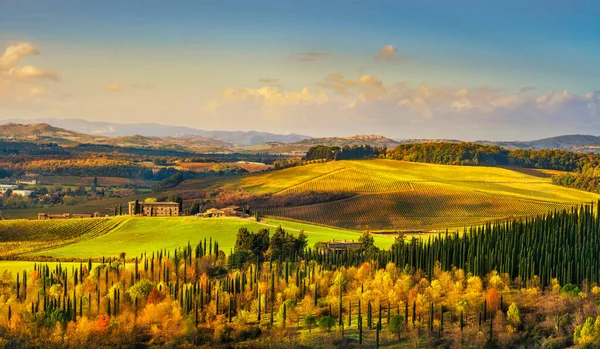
x: 326, y: 323
x: 249, y: 333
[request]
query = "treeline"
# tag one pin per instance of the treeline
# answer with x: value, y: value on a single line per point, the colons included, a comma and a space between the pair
x: 578, y: 181
x: 256, y: 247
x: 344, y: 153
x: 487, y: 155
x: 31, y: 149
x: 560, y: 245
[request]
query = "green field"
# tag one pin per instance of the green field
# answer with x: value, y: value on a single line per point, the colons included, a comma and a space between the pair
x: 407, y: 195
x: 94, y: 238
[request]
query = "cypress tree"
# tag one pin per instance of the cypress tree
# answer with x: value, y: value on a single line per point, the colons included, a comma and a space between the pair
x: 284, y: 315
x: 360, y: 333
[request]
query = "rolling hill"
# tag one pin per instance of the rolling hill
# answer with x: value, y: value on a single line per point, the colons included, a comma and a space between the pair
x: 43, y: 133
x: 404, y: 195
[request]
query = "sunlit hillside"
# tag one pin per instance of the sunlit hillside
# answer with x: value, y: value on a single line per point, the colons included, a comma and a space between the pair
x: 407, y: 195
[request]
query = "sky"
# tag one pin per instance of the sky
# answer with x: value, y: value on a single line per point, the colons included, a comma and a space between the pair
x: 471, y: 70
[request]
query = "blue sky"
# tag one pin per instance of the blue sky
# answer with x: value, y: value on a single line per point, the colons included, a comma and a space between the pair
x: 405, y: 69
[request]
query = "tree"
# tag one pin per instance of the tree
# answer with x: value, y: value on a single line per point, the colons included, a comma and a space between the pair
x: 514, y: 314
x: 238, y: 259
x: 141, y: 289
x: 368, y: 242
x: 399, y: 240
x: 94, y: 184
x: 195, y: 208
x: 326, y: 323
x: 301, y: 243
x: 395, y: 324
x: 492, y: 300
x: 309, y: 322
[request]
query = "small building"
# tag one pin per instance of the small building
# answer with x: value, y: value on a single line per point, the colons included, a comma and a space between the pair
x: 154, y: 209
x: 6, y: 187
x: 229, y: 211
x: 342, y: 245
x: 27, y: 182
x: 22, y: 192
x: 213, y: 212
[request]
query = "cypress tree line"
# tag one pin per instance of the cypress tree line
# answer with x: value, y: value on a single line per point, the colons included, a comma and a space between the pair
x: 561, y: 244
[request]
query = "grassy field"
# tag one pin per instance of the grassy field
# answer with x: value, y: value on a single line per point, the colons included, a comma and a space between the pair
x: 91, y: 238
x: 407, y: 195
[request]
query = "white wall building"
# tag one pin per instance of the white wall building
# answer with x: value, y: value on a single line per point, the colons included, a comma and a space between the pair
x: 22, y: 192
x: 5, y: 187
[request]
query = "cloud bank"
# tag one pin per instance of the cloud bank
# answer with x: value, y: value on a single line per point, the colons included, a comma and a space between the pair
x: 366, y: 104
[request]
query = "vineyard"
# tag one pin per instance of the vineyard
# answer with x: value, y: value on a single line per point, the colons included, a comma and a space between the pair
x: 22, y: 236
x: 404, y: 195
x: 431, y: 205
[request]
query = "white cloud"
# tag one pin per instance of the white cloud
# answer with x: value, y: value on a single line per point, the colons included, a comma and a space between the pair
x: 15, y: 53
x: 29, y: 72
x: 13, y: 77
x: 387, y: 53
x: 271, y: 96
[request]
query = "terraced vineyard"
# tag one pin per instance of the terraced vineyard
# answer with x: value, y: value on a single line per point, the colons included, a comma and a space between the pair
x: 430, y: 205
x: 352, y: 180
x: 404, y: 195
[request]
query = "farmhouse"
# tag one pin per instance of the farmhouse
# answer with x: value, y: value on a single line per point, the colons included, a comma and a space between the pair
x: 229, y: 211
x: 342, y: 245
x: 154, y: 209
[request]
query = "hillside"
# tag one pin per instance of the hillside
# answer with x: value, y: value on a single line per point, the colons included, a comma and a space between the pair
x: 301, y: 147
x: 372, y: 140
x: 43, y: 133
x: 403, y: 195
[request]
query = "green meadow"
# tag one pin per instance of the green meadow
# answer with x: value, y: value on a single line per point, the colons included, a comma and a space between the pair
x: 136, y: 235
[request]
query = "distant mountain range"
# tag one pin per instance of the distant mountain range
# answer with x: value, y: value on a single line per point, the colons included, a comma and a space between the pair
x: 183, y: 138
x: 108, y: 129
x: 581, y: 143
x: 44, y: 133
